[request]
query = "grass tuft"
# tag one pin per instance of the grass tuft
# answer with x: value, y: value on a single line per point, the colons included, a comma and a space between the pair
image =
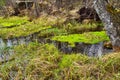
x: 37, y: 61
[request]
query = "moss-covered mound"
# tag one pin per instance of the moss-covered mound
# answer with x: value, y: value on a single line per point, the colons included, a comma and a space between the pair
x: 42, y: 25
x: 44, y: 62
x: 23, y: 30
x: 26, y: 29
x: 88, y: 37
x: 12, y: 21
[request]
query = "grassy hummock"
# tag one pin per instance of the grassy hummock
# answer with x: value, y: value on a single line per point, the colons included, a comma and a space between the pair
x: 41, y: 25
x: 26, y: 29
x: 88, y: 37
x: 12, y: 21
x: 44, y: 62
x: 23, y: 30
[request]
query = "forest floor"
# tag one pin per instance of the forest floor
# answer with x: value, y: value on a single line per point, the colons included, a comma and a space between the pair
x: 38, y: 61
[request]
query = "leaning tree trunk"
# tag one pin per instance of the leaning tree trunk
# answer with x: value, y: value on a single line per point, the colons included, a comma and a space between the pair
x: 111, y: 19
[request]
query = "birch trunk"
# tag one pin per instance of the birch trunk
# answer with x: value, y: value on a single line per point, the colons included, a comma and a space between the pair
x: 111, y: 21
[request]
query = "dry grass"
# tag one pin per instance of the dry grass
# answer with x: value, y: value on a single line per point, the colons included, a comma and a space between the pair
x: 44, y: 62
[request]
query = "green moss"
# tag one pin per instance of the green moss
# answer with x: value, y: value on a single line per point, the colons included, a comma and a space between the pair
x: 22, y: 30
x: 41, y: 25
x: 38, y: 25
x: 88, y: 37
x: 12, y: 21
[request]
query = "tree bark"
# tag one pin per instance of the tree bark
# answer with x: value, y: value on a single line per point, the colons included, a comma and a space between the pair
x: 111, y: 21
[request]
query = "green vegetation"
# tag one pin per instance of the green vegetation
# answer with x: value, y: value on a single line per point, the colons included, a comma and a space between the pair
x: 46, y: 27
x: 36, y: 61
x: 44, y: 62
x: 88, y: 37
x: 52, y: 32
x: 22, y: 30
x: 74, y: 27
x: 2, y: 2
x: 12, y: 21
x: 33, y: 60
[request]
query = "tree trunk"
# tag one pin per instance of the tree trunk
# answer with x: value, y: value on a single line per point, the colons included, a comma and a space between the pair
x: 111, y: 20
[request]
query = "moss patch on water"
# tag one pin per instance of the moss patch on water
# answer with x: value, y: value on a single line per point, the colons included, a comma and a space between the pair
x: 88, y: 37
x: 12, y: 21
